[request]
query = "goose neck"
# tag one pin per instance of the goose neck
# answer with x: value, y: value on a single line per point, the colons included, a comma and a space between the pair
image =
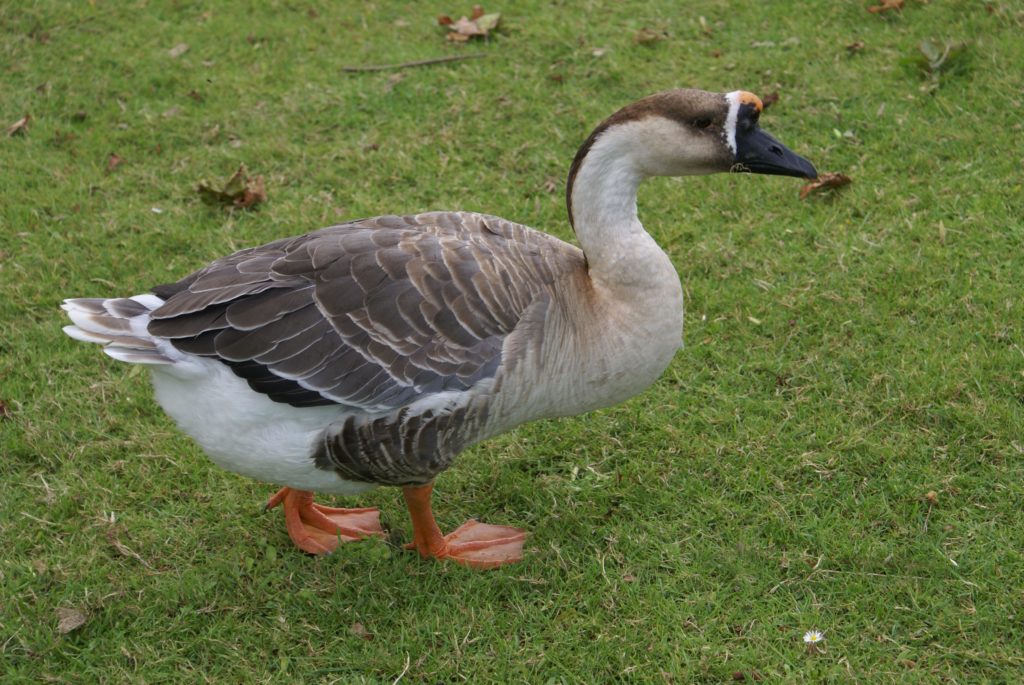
x: 602, y: 207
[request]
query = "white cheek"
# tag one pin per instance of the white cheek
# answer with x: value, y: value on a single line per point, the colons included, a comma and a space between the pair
x: 730, y: 121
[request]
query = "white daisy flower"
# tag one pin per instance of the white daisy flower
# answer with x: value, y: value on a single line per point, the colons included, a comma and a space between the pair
x: 813, y: 637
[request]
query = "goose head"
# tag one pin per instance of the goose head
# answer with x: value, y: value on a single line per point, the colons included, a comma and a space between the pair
x: 679, y: 132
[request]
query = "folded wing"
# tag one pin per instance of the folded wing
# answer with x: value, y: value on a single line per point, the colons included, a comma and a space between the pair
x: 372, y: 314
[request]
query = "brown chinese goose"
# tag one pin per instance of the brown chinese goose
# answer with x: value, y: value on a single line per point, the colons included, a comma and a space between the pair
x: 373, y: 352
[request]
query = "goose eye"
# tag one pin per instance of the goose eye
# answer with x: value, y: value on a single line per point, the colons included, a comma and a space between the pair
x: 702, y: 123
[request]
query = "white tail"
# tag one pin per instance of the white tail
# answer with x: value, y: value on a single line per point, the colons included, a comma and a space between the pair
x: 118, y: 324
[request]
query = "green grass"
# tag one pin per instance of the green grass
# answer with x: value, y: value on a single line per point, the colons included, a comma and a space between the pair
x: 845, y: 356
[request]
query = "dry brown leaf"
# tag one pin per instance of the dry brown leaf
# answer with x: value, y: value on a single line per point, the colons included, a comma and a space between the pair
x: 359, y: 630
x: 114, y: 161
x: 178, y: 50
x: 770, y: 99
x: 827, y: 181
x: 855, y: 46
x: 885, y: 6
x: 19, y: 127
x: 70, y: 619
x: 646, y: 36
x: 5, y: 412
x: 932, y: 497
x: 476, y: 24
x: 240, y: 191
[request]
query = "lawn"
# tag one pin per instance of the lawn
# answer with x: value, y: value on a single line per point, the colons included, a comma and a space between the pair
x: 837, y: 448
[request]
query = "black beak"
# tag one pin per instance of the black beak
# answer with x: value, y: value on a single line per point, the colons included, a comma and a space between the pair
x: 759, y: 153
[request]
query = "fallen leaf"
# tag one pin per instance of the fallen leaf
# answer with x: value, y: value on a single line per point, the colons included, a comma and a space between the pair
x: 826, y: 181
x: 178, y: 50
x: 855, y: 46
x: 937, y: 57
x: 70, y: 619
x: 114, y: 161
x: 488, y: 22
x: 19, y: 127
x: 360, y: 631
x: 477, y: 23
x: 5, y: 412
x: 646, y: 36
x: 885, y: 6
x: 770, y: 99
x: 932, y: 497
x: 240, y: 191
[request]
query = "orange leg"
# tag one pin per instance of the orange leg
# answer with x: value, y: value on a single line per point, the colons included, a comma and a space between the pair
x: 475, y: 544
x: 318, y: 529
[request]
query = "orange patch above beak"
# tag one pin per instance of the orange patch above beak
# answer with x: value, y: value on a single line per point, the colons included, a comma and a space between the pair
x: 751, y: 99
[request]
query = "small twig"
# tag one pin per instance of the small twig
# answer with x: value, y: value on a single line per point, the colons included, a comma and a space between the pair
x: 417, y: 63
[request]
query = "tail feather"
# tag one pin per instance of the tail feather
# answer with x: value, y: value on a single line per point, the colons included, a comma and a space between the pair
x: 119, y: 325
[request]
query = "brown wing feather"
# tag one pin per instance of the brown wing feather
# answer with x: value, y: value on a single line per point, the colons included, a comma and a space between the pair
x: 373, y: 313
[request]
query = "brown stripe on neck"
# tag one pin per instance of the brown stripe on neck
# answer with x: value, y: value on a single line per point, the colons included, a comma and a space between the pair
x: 577, y: 162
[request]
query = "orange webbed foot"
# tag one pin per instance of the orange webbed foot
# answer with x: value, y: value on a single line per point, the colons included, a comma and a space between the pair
x: 480, y: 545
x: 473, y: 544
x: 317, y: 529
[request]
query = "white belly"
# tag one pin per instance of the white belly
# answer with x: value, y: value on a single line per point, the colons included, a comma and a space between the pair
x: 246, y: 432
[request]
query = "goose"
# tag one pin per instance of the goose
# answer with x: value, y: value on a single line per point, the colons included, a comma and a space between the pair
x: 373, y: 352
